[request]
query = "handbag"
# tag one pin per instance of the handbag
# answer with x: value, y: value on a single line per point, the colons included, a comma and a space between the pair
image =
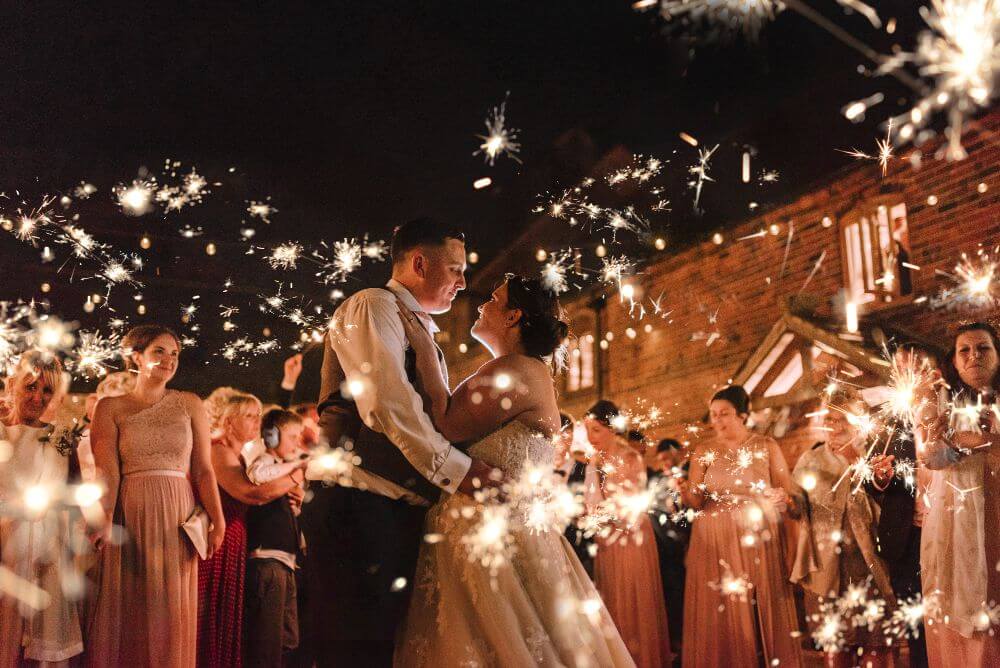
x: 197, y: 526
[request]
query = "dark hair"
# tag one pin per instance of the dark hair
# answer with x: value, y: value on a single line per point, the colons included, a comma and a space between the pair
x: 139, y: 338
x: 277, y: 418
x: 420, y: 232
x: 542, y: 330
x: 635, y: 435
x: 668, y: 444
x: 950, y: 372
x: 565, y: 422
x: 737, y: 396
x: 604, y: 411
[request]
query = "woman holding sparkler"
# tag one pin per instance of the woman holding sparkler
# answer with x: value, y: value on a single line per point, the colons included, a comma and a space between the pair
x: 837, y: 561
x: 960, y: 543
x: 740, y: 485
x: 221, y: 578
x: 151, y: 446
x: 627, y: 565
x: 41, y: 624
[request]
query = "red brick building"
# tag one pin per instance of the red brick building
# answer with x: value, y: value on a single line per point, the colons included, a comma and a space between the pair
x: 769, y: 311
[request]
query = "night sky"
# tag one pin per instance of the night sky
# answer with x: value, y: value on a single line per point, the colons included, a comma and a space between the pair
x: 354, y: 117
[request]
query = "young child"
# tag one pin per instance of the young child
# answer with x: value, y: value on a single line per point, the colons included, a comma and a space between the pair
x: 274, y: 543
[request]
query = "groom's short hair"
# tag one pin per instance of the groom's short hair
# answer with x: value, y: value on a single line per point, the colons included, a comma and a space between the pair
x: 421, y: 232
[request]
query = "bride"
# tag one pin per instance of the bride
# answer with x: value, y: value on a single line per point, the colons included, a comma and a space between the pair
x: 492, y: 588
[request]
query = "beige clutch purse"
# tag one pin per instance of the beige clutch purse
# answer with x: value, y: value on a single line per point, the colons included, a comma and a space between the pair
x: 196, y: 526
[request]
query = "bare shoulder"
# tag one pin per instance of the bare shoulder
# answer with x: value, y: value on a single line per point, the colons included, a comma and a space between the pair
x: 523, y: 369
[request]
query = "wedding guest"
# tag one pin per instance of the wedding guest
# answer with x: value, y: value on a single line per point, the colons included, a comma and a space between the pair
x: 626, y: 568
x: 838, y: 551
x: 960, y: 540
x: 899, y: 487
x: 221, y: 579
x: 271, y: 628
x: 214, y: 403
x: 35, y: 541
x: 672, y: 536
x: 739, y: 484
x: 151, y: 445
x: 571, y: 463
x: 291, y: 371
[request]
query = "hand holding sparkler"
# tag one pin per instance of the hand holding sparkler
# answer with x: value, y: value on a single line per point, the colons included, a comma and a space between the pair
x: 882, y: 470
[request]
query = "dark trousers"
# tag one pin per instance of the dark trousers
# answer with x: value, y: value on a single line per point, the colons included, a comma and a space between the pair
x: 904, y: 575
x: 270, y: 623
x: 361, y: 556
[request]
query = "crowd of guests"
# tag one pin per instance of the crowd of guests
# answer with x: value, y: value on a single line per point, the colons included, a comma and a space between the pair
x: 749, y: 562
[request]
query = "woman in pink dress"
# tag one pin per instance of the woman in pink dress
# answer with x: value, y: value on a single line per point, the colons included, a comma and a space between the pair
x: 221, y: 578
x: 739, y: 610
x: 960, y: 541
x: 627, y: 565
x: 150, y: 446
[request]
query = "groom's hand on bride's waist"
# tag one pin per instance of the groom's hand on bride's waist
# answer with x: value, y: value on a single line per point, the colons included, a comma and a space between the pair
x: 482, y: 476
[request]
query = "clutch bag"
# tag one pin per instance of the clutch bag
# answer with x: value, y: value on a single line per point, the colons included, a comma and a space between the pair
x: 196, y: 526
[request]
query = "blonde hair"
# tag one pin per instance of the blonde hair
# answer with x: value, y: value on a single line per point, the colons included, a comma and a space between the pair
x: 213, y: 405
x: 33, y: 365
x: 233, y: 405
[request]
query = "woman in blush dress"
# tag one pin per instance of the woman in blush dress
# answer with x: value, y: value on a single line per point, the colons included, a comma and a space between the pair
x: 150, y: 446
x: 960, y: 541
x: 221, y: 578
x: 739, y: 609
x: 627, y: 565
x: 35, y: 541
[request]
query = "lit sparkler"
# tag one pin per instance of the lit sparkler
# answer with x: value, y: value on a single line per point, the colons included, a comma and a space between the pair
x: 725, y: 17
x: 285, y: 256
x: 136, y: 199
x: 700, y: 172
x: 499, y: 139
x: 93, y: 352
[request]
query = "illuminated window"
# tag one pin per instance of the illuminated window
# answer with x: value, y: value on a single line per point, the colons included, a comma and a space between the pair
x: 580, y: 374
x: 876, y: 250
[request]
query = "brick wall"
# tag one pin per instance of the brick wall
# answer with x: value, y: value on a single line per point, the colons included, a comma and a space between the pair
x: 741, y: 285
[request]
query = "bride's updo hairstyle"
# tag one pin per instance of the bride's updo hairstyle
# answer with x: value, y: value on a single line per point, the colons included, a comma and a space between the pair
x: 542, y: 329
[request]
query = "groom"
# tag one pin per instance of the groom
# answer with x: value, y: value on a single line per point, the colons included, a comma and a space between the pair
x: 364, y: 539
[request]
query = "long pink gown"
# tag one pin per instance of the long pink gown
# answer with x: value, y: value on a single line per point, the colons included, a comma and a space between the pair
x: 627, y: 566
x: 147, y: 607
x: 739, y: 609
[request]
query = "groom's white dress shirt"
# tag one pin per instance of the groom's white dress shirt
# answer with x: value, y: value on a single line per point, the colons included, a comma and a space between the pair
x: 370, y: 343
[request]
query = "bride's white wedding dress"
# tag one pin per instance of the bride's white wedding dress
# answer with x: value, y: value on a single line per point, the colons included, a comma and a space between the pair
x: 538, y: 607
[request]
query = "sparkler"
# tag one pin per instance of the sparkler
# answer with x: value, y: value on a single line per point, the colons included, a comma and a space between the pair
x: 726, y: 17
x: 884, y: 150
x: 93, y: 352
x: 960, y: 54
x: 136, y: 199
x: 555, y: 273
x: 499, y: 139
x: 732, y: 586
x: 262, y: 210
x: 285, y: 256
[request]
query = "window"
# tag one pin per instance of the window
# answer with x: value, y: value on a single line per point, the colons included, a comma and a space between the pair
x: 876, y: 249
x: 580, y: 374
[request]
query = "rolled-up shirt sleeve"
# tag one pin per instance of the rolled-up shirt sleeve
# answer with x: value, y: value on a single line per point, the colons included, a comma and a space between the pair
x: 370, y: 344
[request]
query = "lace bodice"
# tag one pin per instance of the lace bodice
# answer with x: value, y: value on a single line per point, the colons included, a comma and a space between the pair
x: 157, y: 437
x: 512, y: 447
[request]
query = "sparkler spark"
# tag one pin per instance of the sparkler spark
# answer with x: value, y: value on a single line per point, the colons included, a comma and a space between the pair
x: 262, y: 210
x: 960, y: 54
x: 700, y: 172
x: 93, y: 352
x: 884, y: 150
x: 136, y: 199
x: 499, y: 139
x: 285, y: 256
x: 725, y: 17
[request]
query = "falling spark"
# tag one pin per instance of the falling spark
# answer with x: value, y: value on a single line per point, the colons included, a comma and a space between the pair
x: 700, y: 172
x: 262, y: 210
x: 498, y: 139
x: 884, y: 153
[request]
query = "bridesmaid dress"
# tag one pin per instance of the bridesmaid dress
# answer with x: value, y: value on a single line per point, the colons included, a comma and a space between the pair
x: 146, y: 610
x: 737, y: 539
x: 627, y: 566
x: 221, y: 582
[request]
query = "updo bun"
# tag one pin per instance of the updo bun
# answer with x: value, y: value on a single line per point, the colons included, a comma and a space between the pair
x: 542, y: 329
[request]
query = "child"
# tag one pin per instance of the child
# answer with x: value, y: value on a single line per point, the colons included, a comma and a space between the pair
x: 274, y: 542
